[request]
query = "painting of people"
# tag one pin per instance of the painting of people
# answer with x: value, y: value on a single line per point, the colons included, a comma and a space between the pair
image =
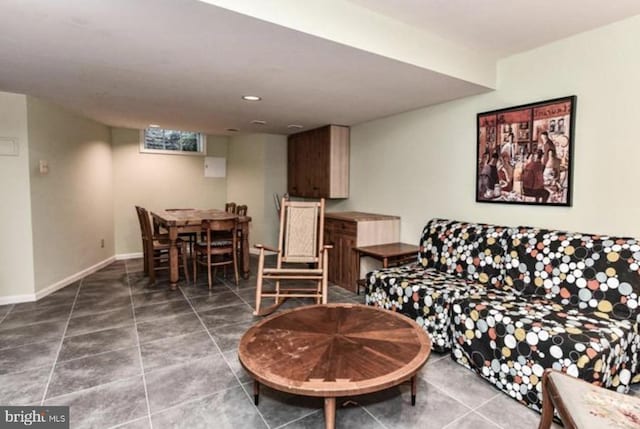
x: 524, y: 153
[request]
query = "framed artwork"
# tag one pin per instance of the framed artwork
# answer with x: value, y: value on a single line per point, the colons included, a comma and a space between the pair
x: 525, y: 153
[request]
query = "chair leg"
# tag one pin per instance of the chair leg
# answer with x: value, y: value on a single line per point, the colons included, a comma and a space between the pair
x: 184, y: 261
x: 259, y: 283
x: 151, y: 266
x: 194, y: 256
x: 547, y: 406
x: 325, y: 269
x: 145, y: 258
x: 209, y: 267
x: 235, y: 267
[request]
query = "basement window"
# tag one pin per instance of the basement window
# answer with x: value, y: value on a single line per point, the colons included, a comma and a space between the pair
x: 174, y: 142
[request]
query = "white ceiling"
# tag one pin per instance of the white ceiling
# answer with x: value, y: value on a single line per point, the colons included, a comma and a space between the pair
x: 504, y: 27
x: 185, y: 63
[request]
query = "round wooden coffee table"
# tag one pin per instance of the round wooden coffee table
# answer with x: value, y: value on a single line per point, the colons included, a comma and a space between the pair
x: 334, y: 350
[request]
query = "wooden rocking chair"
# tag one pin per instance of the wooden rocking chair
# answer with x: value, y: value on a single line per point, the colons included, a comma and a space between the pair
x: 300, y: 242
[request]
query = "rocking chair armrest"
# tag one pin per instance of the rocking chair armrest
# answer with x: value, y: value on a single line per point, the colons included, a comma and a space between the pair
x: 261, y: 247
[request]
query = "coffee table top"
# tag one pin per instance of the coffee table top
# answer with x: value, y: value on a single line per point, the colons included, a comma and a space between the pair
x: 334, y: 350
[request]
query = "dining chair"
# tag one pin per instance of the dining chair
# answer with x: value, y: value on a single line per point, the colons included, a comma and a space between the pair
x: 300, y: 243
x: 155, y: 247
x: 220, y: 242
x: 230, y: 207
x: 241, y: 210
x: 583, y: 405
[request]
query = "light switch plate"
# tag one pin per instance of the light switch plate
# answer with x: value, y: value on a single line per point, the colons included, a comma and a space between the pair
x: 9, y: 146
x: 44, y: 167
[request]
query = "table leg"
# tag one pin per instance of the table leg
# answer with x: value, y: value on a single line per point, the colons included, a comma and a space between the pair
x: 358, y: 256
x: 414, y: 387
x: 245, y: 250
x: 173, y: 257
x: 256, y: 392
x: 330, y: 413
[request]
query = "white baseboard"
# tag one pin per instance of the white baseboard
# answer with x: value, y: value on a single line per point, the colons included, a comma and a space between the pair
x: 73, y: 278
x: 16, y: 299
x: 125, y: 256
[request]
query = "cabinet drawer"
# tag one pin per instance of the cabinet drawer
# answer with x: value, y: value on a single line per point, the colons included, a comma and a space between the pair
x: 340, y: 227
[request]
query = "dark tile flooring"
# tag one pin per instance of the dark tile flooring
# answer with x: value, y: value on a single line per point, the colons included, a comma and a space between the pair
x: 125, y: 354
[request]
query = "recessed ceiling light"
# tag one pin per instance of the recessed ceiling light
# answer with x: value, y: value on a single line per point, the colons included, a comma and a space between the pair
x: 154, y: 126
x: 259, y: 122
x: 294, y: 126
x: 232, y: 130
x: 251, y: 98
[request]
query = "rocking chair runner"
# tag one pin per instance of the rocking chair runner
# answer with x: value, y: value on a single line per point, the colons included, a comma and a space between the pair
x: 300, y: 242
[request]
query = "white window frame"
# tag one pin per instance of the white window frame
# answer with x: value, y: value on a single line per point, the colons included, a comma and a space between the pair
x: 202, y: 137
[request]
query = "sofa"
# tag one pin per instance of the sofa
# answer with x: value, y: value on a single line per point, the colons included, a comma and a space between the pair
x: 510, y: 302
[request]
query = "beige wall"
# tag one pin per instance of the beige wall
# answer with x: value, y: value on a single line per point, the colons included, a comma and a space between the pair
x: 256, y: 170
x: 72, y: 205
x: 16, y: 246
x: 421, y: 164
x: 275, y: 182
x: 158, y: 181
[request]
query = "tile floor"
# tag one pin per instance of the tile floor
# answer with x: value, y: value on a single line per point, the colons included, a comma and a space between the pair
x: 127, y: 355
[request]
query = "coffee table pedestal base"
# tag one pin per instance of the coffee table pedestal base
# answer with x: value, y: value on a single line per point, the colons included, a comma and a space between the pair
x: 330, y: 413
x: 330, y: 403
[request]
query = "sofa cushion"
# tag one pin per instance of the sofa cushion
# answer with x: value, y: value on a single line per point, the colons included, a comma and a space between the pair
x: 469, y: 250
x: 424, y: 295
x: 588, y: 272
x: 509, y: 341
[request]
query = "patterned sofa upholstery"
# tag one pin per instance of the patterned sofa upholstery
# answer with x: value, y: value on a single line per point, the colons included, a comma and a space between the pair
x: 569, y: 303
x: 454, y: 258
x: 511, y: 302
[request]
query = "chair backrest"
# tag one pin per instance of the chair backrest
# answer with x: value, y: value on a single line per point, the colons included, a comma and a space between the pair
x: 145, y: 223
x: 301, y: 232
x: 241, y: 210
x: 474, y: 251
x: 228, y: 225
x: 588, y: 271
x: 230, y: 207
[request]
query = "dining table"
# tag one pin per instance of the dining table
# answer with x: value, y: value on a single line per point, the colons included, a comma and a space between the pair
x: 179, y: 221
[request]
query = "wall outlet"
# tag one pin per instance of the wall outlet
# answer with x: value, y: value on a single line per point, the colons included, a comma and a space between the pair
x: 102, y: 243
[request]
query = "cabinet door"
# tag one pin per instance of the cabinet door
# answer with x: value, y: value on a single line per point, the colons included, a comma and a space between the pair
x: 334, y: 255
x: 319, y: 174
x: 348, y: 262
x: 342, y: 234
x: 308, y: 163
x: 296, y: 164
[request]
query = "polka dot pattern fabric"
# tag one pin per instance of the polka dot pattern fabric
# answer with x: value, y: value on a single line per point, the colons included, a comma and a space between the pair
x: 470, y: 250
x: 424, y: 295
x: 454, y: 256
x: 589, y: 272
x: 511, y: 302
x: 510, y: 340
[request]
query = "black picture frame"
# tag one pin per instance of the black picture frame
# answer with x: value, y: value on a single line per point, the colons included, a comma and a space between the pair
x: 533, y: 167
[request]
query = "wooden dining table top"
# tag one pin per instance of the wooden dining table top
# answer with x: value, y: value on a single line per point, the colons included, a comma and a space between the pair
x: 186, y: 217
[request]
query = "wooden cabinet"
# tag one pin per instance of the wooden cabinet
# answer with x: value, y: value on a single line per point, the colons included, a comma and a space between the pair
x: 318, y: 163
x: 348, y: 230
